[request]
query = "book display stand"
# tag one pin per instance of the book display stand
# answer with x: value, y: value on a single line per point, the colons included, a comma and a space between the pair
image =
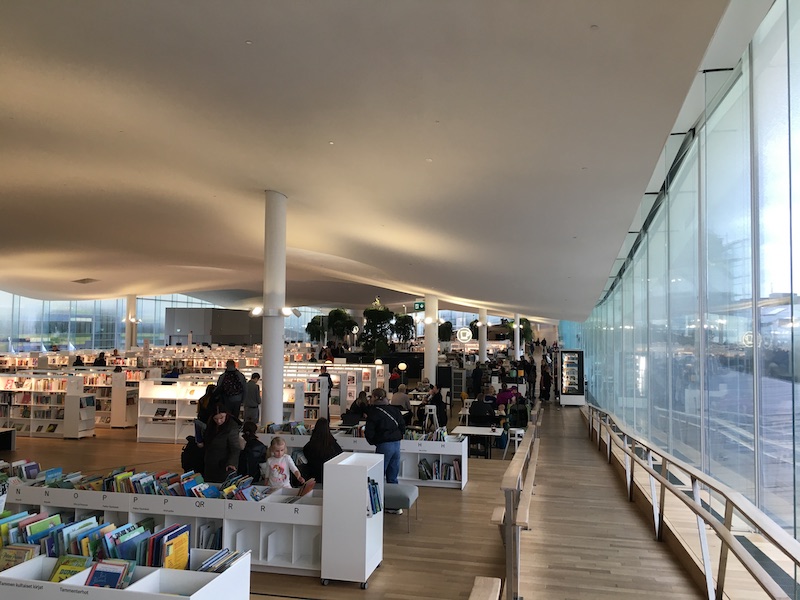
x: 352, y: 546
x: 412, y: 452
x: 30, y: 581
x: 167, y: 409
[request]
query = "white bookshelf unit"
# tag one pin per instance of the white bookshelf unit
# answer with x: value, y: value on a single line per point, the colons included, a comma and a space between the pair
x: 411, y: 452
x: 30, y: 581
x: 352, y: 534
x: 47, y: 406
x: 167, y: 409
x: 283, y: 537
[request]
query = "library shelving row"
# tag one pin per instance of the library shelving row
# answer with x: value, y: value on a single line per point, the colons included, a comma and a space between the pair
x: 46, y: 406
x: 412, y: 452
x: 30, y: 581
x: 167, y: 409
x: 284, y: 533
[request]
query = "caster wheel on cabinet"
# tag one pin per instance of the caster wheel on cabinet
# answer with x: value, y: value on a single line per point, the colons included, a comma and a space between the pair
x: 364, y: 585
x: 326, y: 581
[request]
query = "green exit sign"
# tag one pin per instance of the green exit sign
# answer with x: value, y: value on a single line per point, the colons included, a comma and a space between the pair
x: 419, y: 306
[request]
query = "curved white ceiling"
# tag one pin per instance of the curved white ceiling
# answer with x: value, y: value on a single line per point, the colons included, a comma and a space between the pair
x: 492, y: 153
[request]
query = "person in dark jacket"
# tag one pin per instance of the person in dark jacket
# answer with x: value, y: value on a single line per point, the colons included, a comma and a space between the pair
x: 320, y: 449
x: 481, y: 412
x: 253, y: 454
x: 477, y: 379
x: 546, y: 384
x: 357, y: 411
x: 384, y: 430
x: 231, y: 388
x: 100, y: 361
x: 221, y: 441
x: 434, y: 397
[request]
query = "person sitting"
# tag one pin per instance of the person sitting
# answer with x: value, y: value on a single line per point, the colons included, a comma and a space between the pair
x: 489, y: 395
x: 320, y: 449
x: 78, y: 362
x: 100, y: 361
x: 394, y: 380
x: 481, y: 412
x: 253, y: 452
x: 505, y: 395
x: 357, y: 411
x: 518, y: 413
x: 435, y: 398
x: 403, y: 400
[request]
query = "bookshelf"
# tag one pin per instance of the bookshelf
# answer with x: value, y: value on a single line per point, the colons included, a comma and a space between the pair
x: 411, y: 453
x: 29, y: 581
x: 352, y: 527
x: 46, y: 406
x: 283, y: 537
x: 167, y: 409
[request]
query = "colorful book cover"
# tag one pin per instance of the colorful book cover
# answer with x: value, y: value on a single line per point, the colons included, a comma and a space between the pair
x: 67, y: 566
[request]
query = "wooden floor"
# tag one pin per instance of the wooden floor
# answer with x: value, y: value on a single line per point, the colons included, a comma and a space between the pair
x: 587, y: 540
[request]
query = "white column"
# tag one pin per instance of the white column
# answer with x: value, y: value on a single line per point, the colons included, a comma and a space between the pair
x: 483, y: 334
x: 130, y: 321
x: 517, y: 331
x: 274, y: 300
x: 431, y: 336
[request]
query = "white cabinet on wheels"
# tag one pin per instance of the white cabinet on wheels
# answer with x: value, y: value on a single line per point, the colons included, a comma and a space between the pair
x: 352, y: 527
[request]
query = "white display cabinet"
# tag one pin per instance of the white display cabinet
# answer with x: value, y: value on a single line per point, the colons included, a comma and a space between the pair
x: 454, y: 448
x: 167, y: 409
x: 47, y: 406
x: 283, y: 536
x: 30, y: 581
x: 352, y: 532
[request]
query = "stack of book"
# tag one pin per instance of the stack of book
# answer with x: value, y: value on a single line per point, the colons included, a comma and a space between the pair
x: 13, y: 554
x: 220, y: 561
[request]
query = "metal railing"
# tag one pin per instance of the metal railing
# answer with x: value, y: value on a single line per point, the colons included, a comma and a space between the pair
x: 517, y: 486
x: 660, y: 466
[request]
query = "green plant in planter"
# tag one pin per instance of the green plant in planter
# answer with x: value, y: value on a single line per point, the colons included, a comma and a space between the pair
x: 340, y: 323
x: 377, y: 328
x: 315, y: 329
x: 446, y: 331
x: 403, y: 327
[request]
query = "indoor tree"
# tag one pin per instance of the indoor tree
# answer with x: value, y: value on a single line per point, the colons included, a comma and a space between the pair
x: 377, y: 329
x: 403, y: 327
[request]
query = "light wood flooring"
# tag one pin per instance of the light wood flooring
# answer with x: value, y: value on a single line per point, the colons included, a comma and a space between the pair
x: 587, y: 541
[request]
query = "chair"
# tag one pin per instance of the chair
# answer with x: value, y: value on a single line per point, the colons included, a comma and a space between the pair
x: 447, y: 400
x: 401, y: 496
x: 464, y: 419
x: 430, y: 413
x: 515, y: 434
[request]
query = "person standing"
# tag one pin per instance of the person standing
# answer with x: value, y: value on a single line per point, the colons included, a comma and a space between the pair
x: 477, y: 380
x: 253, y: 454
x: 100, y: 361
x: 221, y: 441
x: 252, y: 399
x: 320, y: 449
x: 231, y: 386
x: 384, y: 430
x: 547, y: 382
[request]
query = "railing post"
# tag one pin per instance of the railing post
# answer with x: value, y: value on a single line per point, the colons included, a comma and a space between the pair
x: 701, y: 529
x: 723, y: 551
x: 663, y: 499
x: 512, y: 542
x: 653, y: 500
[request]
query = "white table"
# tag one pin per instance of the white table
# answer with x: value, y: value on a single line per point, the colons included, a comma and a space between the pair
x: 485, y: 432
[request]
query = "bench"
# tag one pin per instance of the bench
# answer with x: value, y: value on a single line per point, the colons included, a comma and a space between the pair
x: 398, y: 496
x: 486, y: 588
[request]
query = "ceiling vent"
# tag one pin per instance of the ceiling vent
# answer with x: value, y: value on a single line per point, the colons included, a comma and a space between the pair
x: 85, y: 281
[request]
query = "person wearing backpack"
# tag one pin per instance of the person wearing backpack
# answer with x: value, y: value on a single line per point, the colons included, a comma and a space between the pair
x: 230, y: 387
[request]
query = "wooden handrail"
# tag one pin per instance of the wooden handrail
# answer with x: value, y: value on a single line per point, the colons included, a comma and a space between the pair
x: 524, y: 506
x: 770, y: 530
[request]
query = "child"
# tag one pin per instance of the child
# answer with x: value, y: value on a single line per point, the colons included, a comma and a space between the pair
x: 280, y: 464
x: 253, y: 454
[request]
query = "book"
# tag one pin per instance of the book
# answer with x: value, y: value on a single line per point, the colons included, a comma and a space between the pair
x: 106, y: 574
x: 14, y: 554
x: 160, y: 412
x: 69, y: 565
x: 175, y: 554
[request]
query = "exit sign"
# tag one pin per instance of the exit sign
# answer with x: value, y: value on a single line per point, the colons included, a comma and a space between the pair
x: 419, y: 306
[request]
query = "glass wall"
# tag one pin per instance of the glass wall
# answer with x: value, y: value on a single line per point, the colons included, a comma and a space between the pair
x: 694, y: 344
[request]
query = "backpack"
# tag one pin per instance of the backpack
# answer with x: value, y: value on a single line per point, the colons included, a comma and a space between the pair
x: 232, y: 385
x: 192, y: 456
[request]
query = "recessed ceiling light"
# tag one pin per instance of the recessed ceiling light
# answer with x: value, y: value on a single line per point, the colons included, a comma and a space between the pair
x: 594, y: 27
x: 249, y: 42
x: 331, y: 142
x: 428, y: 160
